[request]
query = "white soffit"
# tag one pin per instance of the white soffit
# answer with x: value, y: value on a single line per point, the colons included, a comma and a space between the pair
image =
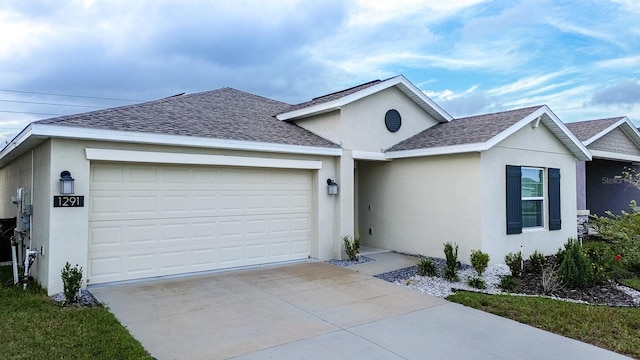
x: 368, y: 155
x: 197, y: 159
x: 608, y: 155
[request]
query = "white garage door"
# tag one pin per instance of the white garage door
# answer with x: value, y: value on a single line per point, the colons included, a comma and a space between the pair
x: 156, y: 220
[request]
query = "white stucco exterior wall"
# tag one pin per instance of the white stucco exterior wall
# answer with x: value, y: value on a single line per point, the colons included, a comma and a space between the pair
x: 415, y: 205
x: 30, y: 171
x: 534, y: 147
x: 63, y: 232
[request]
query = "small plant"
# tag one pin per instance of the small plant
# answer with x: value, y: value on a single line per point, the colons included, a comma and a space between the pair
x: 427, y: 267
x: 71, y: 281
x: 514, y: 261
x: 576, y: 269
x: 479, y: 261
x: 550, y: 281
x: 510, y: 283
x: 351, y: 247
x: 536, y: 262
x: 451, y: 267
x: 477, y: 282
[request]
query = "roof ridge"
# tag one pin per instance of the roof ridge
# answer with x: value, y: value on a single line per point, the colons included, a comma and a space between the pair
x: 345, y: 90
x: 500, y: 112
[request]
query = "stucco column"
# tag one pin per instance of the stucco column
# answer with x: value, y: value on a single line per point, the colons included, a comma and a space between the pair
x: 346, y: 209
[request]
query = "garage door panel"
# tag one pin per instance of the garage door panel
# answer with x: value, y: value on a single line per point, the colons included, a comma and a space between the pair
x: 150, y: 220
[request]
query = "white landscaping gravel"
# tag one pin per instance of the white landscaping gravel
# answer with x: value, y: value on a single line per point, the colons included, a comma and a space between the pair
x: 436, y: 286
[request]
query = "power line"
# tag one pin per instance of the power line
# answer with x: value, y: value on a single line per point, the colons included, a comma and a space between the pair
x: 68, y: 95
x: 55, y: 104
x: 31, y: 113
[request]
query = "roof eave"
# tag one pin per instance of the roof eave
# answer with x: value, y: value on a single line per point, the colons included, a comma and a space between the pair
x: 604, y: 132
x: 42, y: 131
x: 399, y: 81
x: 553, y: 123
x: 441, y: 150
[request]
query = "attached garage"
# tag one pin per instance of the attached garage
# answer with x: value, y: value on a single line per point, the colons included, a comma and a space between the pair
x: 148, y: 220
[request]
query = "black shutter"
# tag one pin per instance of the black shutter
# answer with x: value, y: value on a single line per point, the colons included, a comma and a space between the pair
x: 555, y: 220
x: 514, y: 200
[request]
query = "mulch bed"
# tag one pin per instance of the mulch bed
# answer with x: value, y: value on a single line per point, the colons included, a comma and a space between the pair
x: 603, y: 294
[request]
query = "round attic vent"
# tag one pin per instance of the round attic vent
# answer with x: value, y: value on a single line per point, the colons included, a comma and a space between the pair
x: 392, y: 120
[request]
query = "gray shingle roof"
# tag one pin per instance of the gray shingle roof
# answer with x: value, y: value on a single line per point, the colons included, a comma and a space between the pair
x: 469, y: 130
x: 333, y: 96
x: 585, y: 130
x: 222, y: 114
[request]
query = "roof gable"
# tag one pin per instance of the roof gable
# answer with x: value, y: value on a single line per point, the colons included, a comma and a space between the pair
x: 335, y: 101
x: 482, y: 132
x: 590, y: 131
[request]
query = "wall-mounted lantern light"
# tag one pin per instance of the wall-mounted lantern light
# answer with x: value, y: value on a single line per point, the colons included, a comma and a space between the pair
x: 66, y: 183
x: 332, y: 187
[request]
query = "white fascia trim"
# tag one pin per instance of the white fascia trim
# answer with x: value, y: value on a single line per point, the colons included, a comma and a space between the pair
x: 368, y: 155
x: 176, y: 140
x: 603, y: 132
x: 337, y: 104
x: 16, y: 141
x: 553, y: 123
x: 197, y: 159
x: 444, y: 150
x: 625, y: 125
x: 608, y: 155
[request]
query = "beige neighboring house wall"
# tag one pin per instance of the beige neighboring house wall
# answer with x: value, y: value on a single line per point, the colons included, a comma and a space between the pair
x: 415, y: 205
x: 534, y: 147
x: 67, y: 228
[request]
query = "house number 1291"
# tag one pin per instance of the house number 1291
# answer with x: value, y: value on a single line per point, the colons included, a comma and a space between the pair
x: 68, y: 201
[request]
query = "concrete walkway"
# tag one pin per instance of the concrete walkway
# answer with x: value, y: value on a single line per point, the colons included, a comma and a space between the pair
x: 314, y: 310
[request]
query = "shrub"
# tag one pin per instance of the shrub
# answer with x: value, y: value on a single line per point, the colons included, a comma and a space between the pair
x: 510, y: 283
x: 550, y: 281
x: 427, y: 267
x: 514, y: 261
x: 351, y: 247
x: 576, y: 270
x: 536, y: 262
x: 479, y: 261
x: 451, y: 257
x: 477, y: 282
x: 71, y: 281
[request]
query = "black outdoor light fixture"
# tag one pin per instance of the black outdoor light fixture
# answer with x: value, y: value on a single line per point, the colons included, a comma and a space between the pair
x: 66, y: 182
x: 332, y: 187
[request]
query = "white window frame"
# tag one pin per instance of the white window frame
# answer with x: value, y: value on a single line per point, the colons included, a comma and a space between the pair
x: 540, y: 198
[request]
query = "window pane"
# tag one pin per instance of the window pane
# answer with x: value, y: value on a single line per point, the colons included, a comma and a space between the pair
x: 531, y: 213
x: 532, y: 185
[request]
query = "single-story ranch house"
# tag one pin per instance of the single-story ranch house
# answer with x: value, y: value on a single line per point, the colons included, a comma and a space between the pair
x: 225, y: 178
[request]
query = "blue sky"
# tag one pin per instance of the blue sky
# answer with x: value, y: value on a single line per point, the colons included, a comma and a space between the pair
x: 582, y: 58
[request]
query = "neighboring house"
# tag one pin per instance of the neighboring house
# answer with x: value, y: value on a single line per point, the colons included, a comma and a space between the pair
x: 224, y: 179
x: 615, y: 145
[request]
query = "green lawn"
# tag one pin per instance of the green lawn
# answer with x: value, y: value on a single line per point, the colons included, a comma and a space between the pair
x: 616, y: 329
x: 632, y: 283
x: 34, y: 327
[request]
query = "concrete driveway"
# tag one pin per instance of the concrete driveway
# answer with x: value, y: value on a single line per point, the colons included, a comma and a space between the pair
x: 314, y: 310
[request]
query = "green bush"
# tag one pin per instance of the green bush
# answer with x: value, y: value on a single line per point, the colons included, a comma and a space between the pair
x: 351, y: 247
x: 71, y: 281
x: 479, y: 261
x: 510, y: 283
x: 514, y: 262
x: 426, y: 267
x: 451, y: 267
x: 576, y: 269
x: 477, y: 282
x: 536, y: 262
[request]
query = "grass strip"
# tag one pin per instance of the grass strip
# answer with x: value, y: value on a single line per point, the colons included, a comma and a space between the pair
x: 32, y: 326
x: 616, y: 329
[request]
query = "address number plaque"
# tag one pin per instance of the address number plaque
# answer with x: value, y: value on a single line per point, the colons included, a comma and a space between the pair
x: 68, y: 201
